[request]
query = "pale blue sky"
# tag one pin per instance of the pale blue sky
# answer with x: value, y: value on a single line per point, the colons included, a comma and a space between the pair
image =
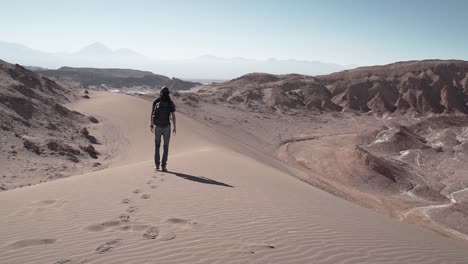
x: 346, y: 32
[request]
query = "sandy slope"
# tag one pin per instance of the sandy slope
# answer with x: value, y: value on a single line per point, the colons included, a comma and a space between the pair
x: 219, y: 206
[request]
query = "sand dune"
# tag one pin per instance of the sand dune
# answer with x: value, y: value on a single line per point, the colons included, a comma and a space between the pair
x: 217, y: 205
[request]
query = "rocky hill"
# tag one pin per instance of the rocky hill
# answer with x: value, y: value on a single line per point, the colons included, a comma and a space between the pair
x: 267, y: 92
x: 418, y: 87
x: 40, y: 137
x: 116, y: 78
x: 432, y: 86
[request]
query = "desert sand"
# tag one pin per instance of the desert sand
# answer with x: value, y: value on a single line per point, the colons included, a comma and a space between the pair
x: 218, y: 204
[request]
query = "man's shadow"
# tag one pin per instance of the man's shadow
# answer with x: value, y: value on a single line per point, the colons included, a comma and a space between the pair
x: 199, y: 179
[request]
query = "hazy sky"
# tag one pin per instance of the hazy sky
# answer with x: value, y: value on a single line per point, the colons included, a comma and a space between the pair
x: 346, y: 32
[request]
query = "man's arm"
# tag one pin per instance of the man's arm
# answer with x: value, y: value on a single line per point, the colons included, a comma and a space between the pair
x: 174, y: 122
x: 151, y: 117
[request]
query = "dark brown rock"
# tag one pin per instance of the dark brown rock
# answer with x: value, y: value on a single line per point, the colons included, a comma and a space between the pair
x: 31, y: 146
x: 91, y: 151
x: 93, y: 119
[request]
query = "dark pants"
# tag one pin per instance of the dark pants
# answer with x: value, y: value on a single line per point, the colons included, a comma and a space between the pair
x: 165, y: 132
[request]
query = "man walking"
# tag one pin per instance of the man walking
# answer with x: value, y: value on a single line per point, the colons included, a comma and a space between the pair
x: 163, y: 109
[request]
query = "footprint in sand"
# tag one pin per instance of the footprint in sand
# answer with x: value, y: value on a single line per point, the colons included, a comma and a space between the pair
x: 167, y: 236
x: 136, y: 191
x: 103, y: 226
x: 181, y: 223
x: 154, y: 186
x: 126, y: 201
x: 108, y: 246
x: 149, y: 182
x: 124, y: 218
x: 151, y: 233
x: 32, y: 242
x: 132, y: 209
x: 145, y: 196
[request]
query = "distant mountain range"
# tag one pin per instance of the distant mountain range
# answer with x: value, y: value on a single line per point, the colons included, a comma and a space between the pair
x: 203, y: 67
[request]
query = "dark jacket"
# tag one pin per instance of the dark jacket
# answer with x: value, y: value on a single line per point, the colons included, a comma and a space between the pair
x: 162, y: 108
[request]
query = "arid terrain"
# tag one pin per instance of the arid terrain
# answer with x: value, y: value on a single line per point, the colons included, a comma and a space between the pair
x: 248, y: 168
x: 392, y: 138
x: 220, y: 202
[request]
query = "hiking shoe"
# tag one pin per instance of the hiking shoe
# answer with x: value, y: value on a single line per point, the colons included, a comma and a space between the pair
x: 164, y: 169
x: 157, y: 167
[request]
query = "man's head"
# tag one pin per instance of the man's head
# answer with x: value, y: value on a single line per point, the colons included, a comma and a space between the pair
x: 165, y: 91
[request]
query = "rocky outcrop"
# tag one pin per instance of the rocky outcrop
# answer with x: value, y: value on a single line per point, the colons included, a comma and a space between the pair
x: 92, y: 139
x: 431, y: 86
x: 33, y: 116
x: 29, y: 99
